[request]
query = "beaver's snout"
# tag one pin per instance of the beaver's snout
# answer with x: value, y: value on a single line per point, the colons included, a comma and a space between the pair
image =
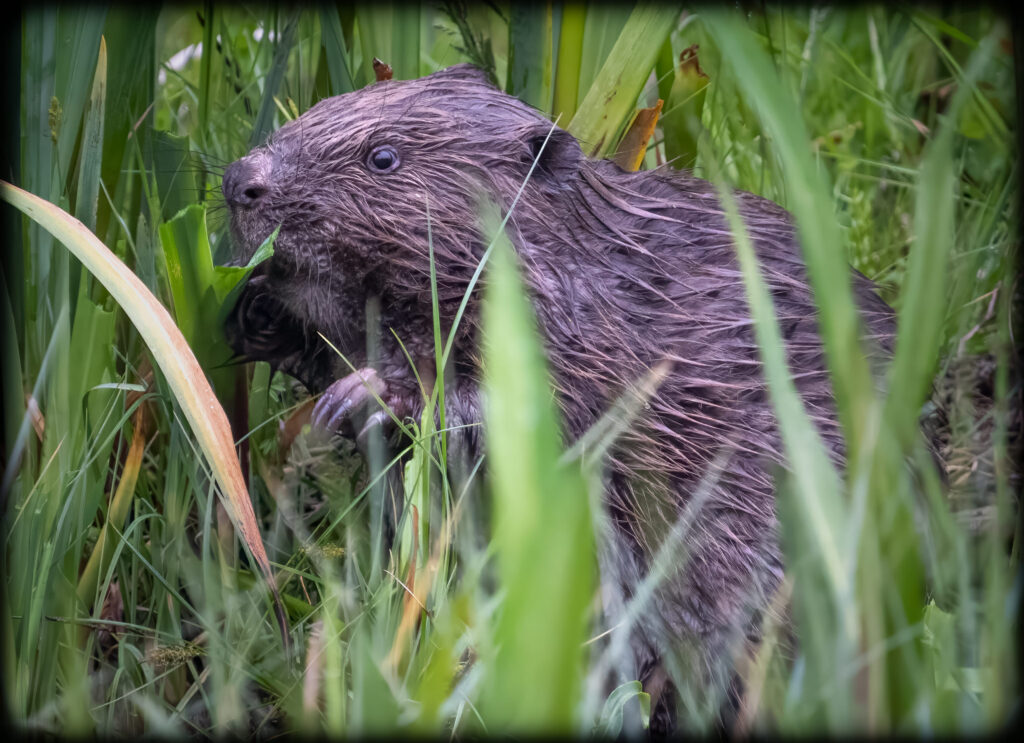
x: 246, y: 182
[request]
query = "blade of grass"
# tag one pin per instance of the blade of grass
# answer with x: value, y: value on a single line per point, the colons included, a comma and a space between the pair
x: 567, y: 68
x: 205, y: 87
x: 265, y: 116
x: 529, y: 43
x: 405, y: 40
x: 812, y: 502
x: 171, y: 352
x: 922, y: 311
x: 91, y: 156
x: 375, y: 23
x: 819, y: 235
x: 609, y: 103
x: 80, y: 30
x: 117, y: 511
x: 542, y: 526
x: 131, y: 78
x: 601, y: 30
x: 337, y: 52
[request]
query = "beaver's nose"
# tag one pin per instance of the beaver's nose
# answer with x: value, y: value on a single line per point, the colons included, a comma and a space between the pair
x: 244, y: 185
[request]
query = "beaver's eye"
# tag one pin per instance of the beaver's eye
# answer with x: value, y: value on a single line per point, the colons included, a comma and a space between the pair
x: 383, y: 159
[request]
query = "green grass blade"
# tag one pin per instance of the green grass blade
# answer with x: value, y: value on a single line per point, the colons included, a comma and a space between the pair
x: 601, y: 29
x: 265, y: 116
x: 337, y: 53
x: 529, y: 42
x: 205, y: 88
x: 610, y: 101
x: 542, y: 528
x: 374, y: 22
x: 171, y: 352
x: 819, y: 235
x: 131, y: 77
x: 80, y: 30
x: 405, y: 40
x: 91, y: 156
x: 567, y: 68
x: 814, y: 520
x: 924, y: 305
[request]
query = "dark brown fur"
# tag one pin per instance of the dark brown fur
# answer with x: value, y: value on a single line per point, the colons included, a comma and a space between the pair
x: 624, y: 270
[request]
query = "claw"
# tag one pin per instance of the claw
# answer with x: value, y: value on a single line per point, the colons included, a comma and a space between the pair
x: 344, y: 397
x: 376, y: 419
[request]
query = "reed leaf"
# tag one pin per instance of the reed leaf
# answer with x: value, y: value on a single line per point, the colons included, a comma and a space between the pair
x: 567, y: 69
x: 529, y: 43
x: 172, y: 355
x: 337, y: 52
x: 610, y: 101
x: 542, y: 528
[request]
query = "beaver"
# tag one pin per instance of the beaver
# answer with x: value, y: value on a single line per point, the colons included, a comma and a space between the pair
x: 625, y: 270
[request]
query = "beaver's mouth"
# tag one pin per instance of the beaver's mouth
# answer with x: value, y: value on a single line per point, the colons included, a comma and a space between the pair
x: 247, y: 232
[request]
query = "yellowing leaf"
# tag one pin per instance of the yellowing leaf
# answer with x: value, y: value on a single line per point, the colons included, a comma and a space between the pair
x: 634, y: 144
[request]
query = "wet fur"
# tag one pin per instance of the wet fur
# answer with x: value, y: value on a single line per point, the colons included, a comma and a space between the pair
x: 624, y: 270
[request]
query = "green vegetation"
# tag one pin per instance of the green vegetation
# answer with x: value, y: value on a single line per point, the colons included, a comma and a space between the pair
x: 131, y: 600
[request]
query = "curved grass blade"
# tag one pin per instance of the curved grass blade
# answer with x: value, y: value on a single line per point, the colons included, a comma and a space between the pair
x: 172, y: 354
x: 102, y: 553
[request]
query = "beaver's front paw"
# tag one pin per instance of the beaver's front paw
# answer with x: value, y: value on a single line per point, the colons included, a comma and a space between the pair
x: 350, y: 405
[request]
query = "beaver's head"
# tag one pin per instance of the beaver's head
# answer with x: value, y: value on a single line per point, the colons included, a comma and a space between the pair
x: 352, y: 181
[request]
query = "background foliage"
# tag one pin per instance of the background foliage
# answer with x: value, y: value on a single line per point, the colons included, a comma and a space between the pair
x: 890, y: 134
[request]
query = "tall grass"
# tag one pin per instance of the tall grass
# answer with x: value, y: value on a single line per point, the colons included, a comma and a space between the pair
x: 129, y: 602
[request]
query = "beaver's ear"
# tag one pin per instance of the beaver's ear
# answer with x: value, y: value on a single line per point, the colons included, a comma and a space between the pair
x: 464, y: 71
x: 558, y: 159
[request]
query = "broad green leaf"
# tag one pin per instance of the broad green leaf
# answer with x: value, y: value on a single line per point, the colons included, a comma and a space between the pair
x: 186, y: 248
x: 203, y: 293
x: 174, y: 173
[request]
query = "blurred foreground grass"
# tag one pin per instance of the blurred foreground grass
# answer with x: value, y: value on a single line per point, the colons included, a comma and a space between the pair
x: 874, y: 127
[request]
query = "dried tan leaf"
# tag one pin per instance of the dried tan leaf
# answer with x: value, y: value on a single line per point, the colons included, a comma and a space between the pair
x: 382, y: 70
x: 634, y: 144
